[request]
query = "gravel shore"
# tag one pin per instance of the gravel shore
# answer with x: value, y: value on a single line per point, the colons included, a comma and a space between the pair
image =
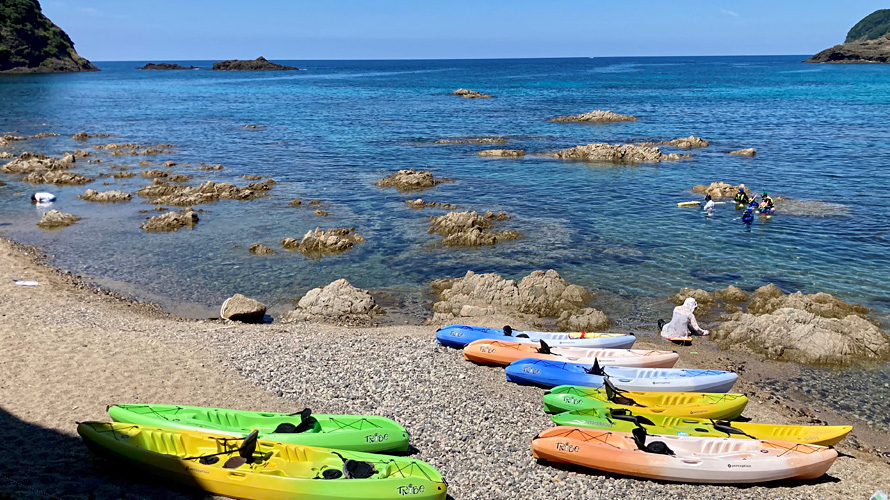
x: 69, y: 350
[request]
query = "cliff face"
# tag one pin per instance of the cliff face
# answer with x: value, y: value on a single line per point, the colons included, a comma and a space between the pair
x: 867, y: 42
x: 31, y: 43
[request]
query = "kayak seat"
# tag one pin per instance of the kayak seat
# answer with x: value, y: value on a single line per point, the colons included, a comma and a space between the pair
x: 655, y: 447
x: 355, y: 469
x: 522, y: 336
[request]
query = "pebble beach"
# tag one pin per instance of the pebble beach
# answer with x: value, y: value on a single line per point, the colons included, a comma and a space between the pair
x: 70, y: 349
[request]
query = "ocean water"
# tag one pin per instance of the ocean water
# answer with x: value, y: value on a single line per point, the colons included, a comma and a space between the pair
x: 337, y: 127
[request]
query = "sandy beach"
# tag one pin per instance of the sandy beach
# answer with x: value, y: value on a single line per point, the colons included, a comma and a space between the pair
x: 70, y: 349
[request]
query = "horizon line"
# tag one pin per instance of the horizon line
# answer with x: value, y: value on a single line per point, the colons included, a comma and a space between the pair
x: 456, y: 58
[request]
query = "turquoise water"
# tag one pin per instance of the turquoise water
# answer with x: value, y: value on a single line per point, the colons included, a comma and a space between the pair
x: 334, y: 129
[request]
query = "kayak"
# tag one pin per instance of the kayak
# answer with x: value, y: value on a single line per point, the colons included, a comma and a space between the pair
x: 626, y: 420
x: 501, y: 352
x: 343, y: 432
x: 674, y: 404
x: 548, y: 373
x: 257, y: 469
x: 683, y: 459
x: 461, y: 335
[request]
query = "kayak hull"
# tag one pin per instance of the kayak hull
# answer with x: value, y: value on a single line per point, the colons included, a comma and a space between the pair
x: 675, y: 404
x: 547, y: 373
x: 696, y: 460
x: 498, y: 352
x: 460, y: 335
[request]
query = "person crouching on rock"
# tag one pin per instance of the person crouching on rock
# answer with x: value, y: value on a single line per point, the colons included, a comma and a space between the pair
x: 683, y: 322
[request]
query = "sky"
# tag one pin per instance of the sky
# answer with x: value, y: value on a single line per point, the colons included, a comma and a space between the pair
x: 155, y: 30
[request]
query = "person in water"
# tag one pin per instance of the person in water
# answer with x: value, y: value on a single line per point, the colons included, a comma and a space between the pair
x: 683, y: 322
x: 748, y: 216
x: 742, y: 197
x: 766, y: 203
x: 709, y: 203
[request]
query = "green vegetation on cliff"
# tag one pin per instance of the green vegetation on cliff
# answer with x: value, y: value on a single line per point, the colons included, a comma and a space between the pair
x: 31, y: 43
x: 874, y: 25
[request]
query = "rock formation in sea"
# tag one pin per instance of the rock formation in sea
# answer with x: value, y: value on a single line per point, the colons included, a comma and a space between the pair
x: 56, y: 220
x: 338, y: 302
x: 27, y: 163
x: 114, y: 196
x: 171, y: 221
x: 489, y: 297
x: 166, y: 66
x: 867, y: 42
x: 473, y: 140
x: 744, y: 152
x: 470, y: 94
x: 420, y: 203
x: 687, y: 142
x: 719, y: 190
x: 164, y: 193
x: 318, y: 242
x: 260, y: 249
x: 9, y: 139
x: 596, y: 116
x: 258, y: 64
x: 83, y: 136
x: 502, y: 153
x: 244, y: 309
x: 411, y: 180
x: 470, y: 229
x: 58, y: 178
x: 617, y: 153
x: 31, y: 43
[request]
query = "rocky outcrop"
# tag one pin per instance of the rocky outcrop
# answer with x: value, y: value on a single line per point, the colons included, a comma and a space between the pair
x: 473, y: 140
x: 43, y: 135
x: 539, y: 295
x: 243, y: 309
x: 210, y: 167
x: 502, y: 153
x: 868, y: 51
x: 260, y: 249
x: 27, y: 163
x: 123, y: 175
x: 411, y: 180
x: 686, y: 142
x: 419, y: 204
x: 731, y: 294
x: 317, y: 243
x: 7, y: 139
x: 616, y: 153
x: 166, y: 66
x: 105, y: 196
x: 471, y: 94
x: 171, y: 221
x: 56, y: 220
x: 248, y: 177
x: 471, y: 229
x: 596, y: 116
x: 154, y: 174
x: 258, y: 64
x: 583, y: 320
x: 719, y: 189
x: 164, y: 193
x: 703, y: 297
x: 83, y: 136
x: 58, y: 178
x: 744, y: 152
x: 339, y: 302
x: 31, y: 43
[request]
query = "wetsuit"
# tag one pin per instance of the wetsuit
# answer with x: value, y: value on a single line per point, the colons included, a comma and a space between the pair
x: 742, y: 198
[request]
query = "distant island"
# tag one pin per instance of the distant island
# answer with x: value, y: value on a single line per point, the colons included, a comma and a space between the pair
x: 259, y: 64
x: 167, y: 66
x: 31, y: 43
x: 867, y: 42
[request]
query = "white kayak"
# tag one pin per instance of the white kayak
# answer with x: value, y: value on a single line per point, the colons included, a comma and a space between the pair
x: 681, y: 458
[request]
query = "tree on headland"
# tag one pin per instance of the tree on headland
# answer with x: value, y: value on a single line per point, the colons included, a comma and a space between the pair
x: 31, y: 43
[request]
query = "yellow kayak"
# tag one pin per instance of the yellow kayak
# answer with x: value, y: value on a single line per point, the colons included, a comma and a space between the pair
x: 256, y: 469
x: 675, y: 404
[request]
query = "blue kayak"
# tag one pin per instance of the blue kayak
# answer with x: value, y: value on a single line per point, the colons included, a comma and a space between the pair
x: 461, y: 335
x: 548, y: 373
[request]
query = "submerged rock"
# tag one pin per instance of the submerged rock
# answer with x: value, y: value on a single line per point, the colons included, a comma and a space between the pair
x: 744, y: 152
x: 596, y: 116
x: 616, y: 153
x: 207, y: 166
x: 411, y: 180
x: 316, y: 243
x: 473, y: 140
x: 471, y: 229
x: 164, y: 193
x: 55, y: 220
x: 420, y: 203
x: 27, y: 163
x: 503, y: 153
x: 471, y: 94
x: 338, y: 302
x: 43, y: 135
x: 83, y: 136
x: 258, y: 64
x: 260, y: 249
x: 105, y: 196
x: 171, y: 221
x: 243, y: 309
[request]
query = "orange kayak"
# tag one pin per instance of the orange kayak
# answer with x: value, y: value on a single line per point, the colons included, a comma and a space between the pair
x: 502, y: 352
x: 681, y: 458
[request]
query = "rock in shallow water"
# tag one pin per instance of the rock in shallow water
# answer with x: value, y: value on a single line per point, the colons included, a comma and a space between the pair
x: 596, y: 116
x: 316, y: 243
x: 171, y: 221
x: 55, y: 220
x: 617, y: 153
x: 411, y: 180
x: 114, y: 196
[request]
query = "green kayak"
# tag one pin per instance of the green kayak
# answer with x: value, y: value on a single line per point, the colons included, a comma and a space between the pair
x: 344, y: 432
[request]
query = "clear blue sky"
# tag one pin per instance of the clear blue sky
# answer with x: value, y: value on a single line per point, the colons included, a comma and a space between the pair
x: 114, y: 30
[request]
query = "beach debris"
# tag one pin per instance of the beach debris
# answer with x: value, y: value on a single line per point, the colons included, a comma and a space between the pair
x: 58, y: 178
x: 471, y: 229
x: 114, y: 196
x: 164, y: 193
x: 539, y: 295
x: 258, y: 64
x: 617, y: 153
x: 338, y: 302
x: 473, y: 140
x: 471, y: 94
x: 596, y: 116
x: 171, y: 221
x: 260, y: 249
x: 502, y: 153
x: 719, y: 189
x: 27, y: 163
x: 744, y: 152
x: 244, y: 309
x: 420, y: 203
x: 55, y: 220
x: 318, y: 242
x: 25, y: 283
x: 411, y: 180
x: 83, y: 136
